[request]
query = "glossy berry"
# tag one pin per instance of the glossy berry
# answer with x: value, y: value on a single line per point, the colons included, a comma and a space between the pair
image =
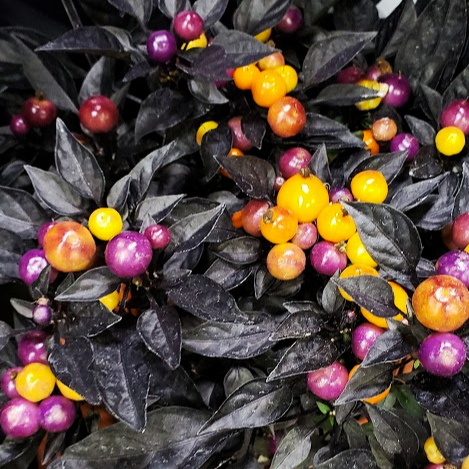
x: 442, y: 354
x: 290, y: 76
x: 19, y: 126
x: 31, y: 264
x: 278, y: 225
x: 373, y: 73
x: 188, y: 25
x: 441, y: 303
x: 456, y: 114
x: 111, y: 301
x: 450, y: 141
x: 32, y: 347
x: 291, y: 22
x: 244, y: 77
x: 128, y: 254
x: 42, y: 315
x: 350, y: 75
x: 329, y: 382
x: 39, y: 112
x: 363, y: 337
x: 456, y: 264
x: 340, y: 193
x: 373, y: 103
x: 35, y: 382
x: 304, y: 195
x: 56, y: 414
x: 264, y: 36
x: 99, y: 114
x: 286, y: 117
x: 69, y: 393
x: 9, y: 382
x: 267, y: 88
x: 306, y: 235
x: 384, y: 129
x: 398, y: 89
x: 432, y: 452
x: 272, y: 61
x: 203, y: 129
x: 239, y: 138
x: 286, y: 261
x: 41, y: 232
x: 19, y: 418
x: 278, y: 183
x: 369, y: 186
x: 161, y: 46
x: 105, y: 223
x: 405, y: 142
x: 69, y: 247
x: 293, y: 161
x: 158, y: 235
x: 334, y: 224
x: 355, y: 270
x: 201, y: 42
x: 327, y: 259
x: 460, y: 230
x: 251, y: 216
x: 357, y: 252
x: 371, y: 143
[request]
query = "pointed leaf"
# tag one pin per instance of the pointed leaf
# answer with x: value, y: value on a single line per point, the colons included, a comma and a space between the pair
x: 458, y: 89
x: 426, y: 164
x: 388, y: 164
x: 25, y: 308
x: 344, y: 95
x: 206, y: 91
x: 431, y: 103
x: 228, y: 275
x: 210, y: 11
x: 293, y: 449
x: 5, y: 334
x: 319, y: 165
x: 140, y: 9
x: 118, y: 194
x: 77, y: 165
x: 170, y: 8
x: 298, y: 325
x: 461, y: 202
x: 350, y: 459
x: 243, y: 250
x: 421, y: 130
x: 158, y: 208
x: 98, y: 80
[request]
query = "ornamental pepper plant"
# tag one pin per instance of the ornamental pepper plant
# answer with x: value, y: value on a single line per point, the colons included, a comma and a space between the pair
x: 235, y: 235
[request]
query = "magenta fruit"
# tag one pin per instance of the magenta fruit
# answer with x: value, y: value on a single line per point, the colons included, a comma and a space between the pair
x: 460, y: 231
x: 56, y: 414
x: 306, y: 235
x: 9, y: 382
x: 32, y: 348
x: 128, y: 254
x: 404, y: 141
x: 340, y: 193
x: 41, y: 232
x: 188, y: 25
x: 19, y: 418
x: 291, y: 22
x: 19, y: 126
x: 350, y: 75
x: 399, y: 89
x: 42, y: 315
x: 31, y: 264
x: 161, y: 46
x: 251, y: 216
x: 456, y: 114
x: 158, y: 235
x: 327, y: 259
x: 456, y: 264
x: 329, y: 382
x: 293, y: 161
x: 363, y: 337
x: 240, y: 141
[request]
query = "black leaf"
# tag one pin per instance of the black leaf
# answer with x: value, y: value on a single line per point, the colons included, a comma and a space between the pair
x: 451, y: 437
x: 71, y: 361
x: 243, y: 250
x: 366, y: 382
x: 443, y: 397
x: 434, y: 213
x: 458, y: 89
x: 253, y: 126
x: 122, y: 376
x: 412, y: 195
x: 431, y: 103
x: 328, y: 56
x: 217, y: 142
x: 140, y: 9
x: 389, y: 347
x: 40, y: 286
x: 54, y: 192
x: 421, y: 130
x: 319, y: 165
x: 5, y: 334
x: 160, y: 329
x: 426, y: 164
x: 361, y: 15
x: 25, y: 308
x: 253, y: 175
x: 206, y: 91
x: 98, y: 80
x: 331, y: 299
x: 388, y: 164
x: 158, y: 208
x: 205, y: 299
x: 350, y: 459
x: 388, y: 235
x: 255, y: 404
x: 344, y: 95
x: 252, y: 17
x: 397, y: 439
x: 299, y: 325
x: 20, y: 213
x: 461, y: 201
x: 303, y: 356
x: 395, y: 28
x: 171, y: 8
x: 77, y: 165
x: 162, y: 109
x: 91, y: 286
x: 229, y: 49
x: 229, y: 340
x: 372, y: 293
x: 88, y: 40
x: 118, y: 194
x: 236, y: 377
x: 294, y: 448
x: 423, y: 59
x: 228, y: 275
x: 210, y: 10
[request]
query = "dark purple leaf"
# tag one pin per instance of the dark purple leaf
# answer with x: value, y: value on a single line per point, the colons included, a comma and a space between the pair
x: 344, y: 95
x: 140, y: 9
x: 228, y: 275
x: 206, y: 91
x: 171, y: 8
x: 431, y: 103
x: 331, y: 299
x: 299, y: 325
x: 426, y: 164
x: 243, y: 250
x: 421, y: 130
x: 210, y: 11
x: 458, y: 89
x: 388, y: 164
x: 434, y: 213
x: 360, y: 15
x: 118, y: 194
x: 158, y: 208
x: 98, y: 80
x: 253, y: 126
x: 217, y: 142
x: 461, y: 202
x: 319, y: 165
x: 350, y: 459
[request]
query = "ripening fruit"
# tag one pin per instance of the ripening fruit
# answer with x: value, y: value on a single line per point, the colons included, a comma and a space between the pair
x: 456, y: 264
x: 450, y: 141
x: 398, y: 89
x: 460, y: 230
x: 371, y: 143
x: 355, y: 270
x: 456, y: 114
x: 158, y: 235
x: 441, y: 303
x: 306, y: 235
x: 291, y: 22
x: 286, y: 261
x: 286, y: 117
x: 32, y: 347
x: 278, y: 225
x: 68, y: 392
x: 271, y: 61
x: 350, y: 75
x: 188, y: 25
x: 105, y: 223
x: 56, y: 414
x: 369, y: 104
x: 293, y: 161
x: 244, y: 76
x: 433, y: 453
x: 363, y: 337
x: 357, y: 252
x: 340, y: 193
x: 304, y: 195
x: 290, y: 76
x: 99, y: 114
x: 369, y: 186
x: 335, y: 224
x: 203, y: 129
x: 111, y: 300
x: 327, y: 259
x: 403, y: 142
x: 384, y: 129
x: 39, y: 112
x: 239, y: 138
x: 31, y: 264
x: 69, y: 247
x: 251, y: 216
x: 8, y: 383
x: 267, y: 88
x: 329, y: 382
x: 264, y: 36
x: 19, y: 126
x: 35, y: 382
